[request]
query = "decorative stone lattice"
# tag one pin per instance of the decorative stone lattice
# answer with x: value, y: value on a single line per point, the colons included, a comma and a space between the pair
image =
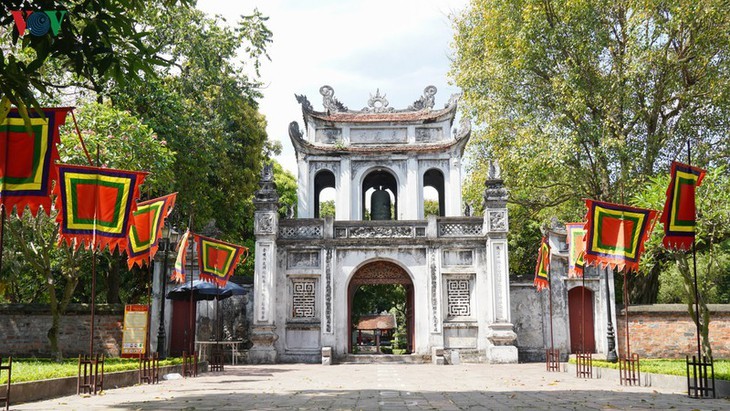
x: 460, y: 229
x: 303, y: 298
x: 458, y: 298
x: 300, y: 231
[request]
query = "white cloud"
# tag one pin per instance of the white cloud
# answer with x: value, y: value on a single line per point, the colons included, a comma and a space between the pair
x: 355, y: 46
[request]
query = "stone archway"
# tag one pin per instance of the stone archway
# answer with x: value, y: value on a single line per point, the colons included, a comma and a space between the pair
x: 382, y: 272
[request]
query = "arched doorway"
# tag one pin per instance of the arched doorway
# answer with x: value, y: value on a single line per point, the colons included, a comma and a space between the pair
x: 580, y: 306
x: 380, y: 273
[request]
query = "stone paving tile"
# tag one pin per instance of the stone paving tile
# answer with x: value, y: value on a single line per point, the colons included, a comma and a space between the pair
x: 383, y: 387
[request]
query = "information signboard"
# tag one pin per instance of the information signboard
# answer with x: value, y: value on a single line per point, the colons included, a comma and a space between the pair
x: 134, y: 340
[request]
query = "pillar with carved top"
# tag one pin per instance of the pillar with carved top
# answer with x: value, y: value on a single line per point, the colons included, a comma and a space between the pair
x: 501, y: 337
x: 266, y: 224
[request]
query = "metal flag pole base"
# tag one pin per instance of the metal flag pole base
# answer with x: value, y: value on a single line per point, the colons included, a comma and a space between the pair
x: 629, y: 370
x: 701, y: 379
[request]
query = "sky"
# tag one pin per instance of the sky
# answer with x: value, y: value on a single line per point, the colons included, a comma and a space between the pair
x: 355, y: 46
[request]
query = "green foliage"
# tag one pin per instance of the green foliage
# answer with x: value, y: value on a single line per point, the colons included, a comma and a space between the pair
x: 204, y: 109
x: 122, y: 141
x: 327, y: 209
x: 431, y: 207
x: 712, y: 245
x: 588, y: 99
x: 669, y: 367
x: 713, y: 278
x: 97, y: 42
x: 34, y: 369
x: 286, y: 187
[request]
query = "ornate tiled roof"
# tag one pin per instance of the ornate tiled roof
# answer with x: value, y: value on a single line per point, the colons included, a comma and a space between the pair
x: 376, y: 322
x: 378, y: 108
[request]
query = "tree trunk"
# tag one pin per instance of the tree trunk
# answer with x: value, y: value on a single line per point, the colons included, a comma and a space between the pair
x: 113, y: 280
x: 702, y: 323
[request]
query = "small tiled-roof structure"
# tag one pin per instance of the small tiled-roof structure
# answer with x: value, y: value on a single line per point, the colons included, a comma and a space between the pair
x: 376, y: 322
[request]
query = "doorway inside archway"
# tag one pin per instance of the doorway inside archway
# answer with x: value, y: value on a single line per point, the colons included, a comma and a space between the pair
x: 380, y: 310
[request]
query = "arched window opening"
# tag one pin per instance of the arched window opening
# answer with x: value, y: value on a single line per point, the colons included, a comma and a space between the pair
x: 433, y: 193
x: 327, y: 203
x: 324, y: 190
x: 379, y: 196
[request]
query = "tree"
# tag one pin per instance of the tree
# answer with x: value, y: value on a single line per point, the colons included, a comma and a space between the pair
x: 591, y: 99
x: 95, y: 41
x: 122, y: 142
x: 712, y: 246
x: 205, y: 109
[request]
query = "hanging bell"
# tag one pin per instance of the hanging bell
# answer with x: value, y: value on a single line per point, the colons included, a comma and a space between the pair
x: 380, y: 205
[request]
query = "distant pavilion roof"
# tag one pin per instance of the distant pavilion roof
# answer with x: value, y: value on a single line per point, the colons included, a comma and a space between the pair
x: 376, y: 322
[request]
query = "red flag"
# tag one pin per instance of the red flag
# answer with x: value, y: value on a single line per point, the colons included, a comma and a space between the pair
x: 542, y: 269
x: 679, y: 209
x: 576, y: 248
x: 146, y: 229
x: 178, y: 273
x: 28, y: 159
x: 615, y: 234
x: 217, y: 259
x: 95, y: 205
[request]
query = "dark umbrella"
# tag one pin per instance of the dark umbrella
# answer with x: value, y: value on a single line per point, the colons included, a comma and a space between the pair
x: 203, y: 290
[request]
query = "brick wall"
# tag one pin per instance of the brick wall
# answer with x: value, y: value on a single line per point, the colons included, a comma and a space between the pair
x: 667, y: 331
x: 24, y: 329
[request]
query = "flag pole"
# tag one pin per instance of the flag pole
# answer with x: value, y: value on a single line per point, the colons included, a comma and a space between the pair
x: 93, y: 261
x: 191, y: 339
x: 2, y: 235
x: 611, y: 339
x: 694, y: 265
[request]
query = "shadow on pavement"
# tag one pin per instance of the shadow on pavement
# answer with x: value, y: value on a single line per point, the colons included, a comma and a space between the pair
x: 425, y: 400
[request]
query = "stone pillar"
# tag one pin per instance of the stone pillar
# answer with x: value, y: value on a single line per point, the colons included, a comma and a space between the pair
x: 414, y: 193
x: 343, y: 206
x: 500, y: 334
x: 453, y: 188
x: 305, y: 193
x: 266, y: 227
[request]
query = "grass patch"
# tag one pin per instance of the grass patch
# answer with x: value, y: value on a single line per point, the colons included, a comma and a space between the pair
x: 669, y: 367
x: 33, y: 369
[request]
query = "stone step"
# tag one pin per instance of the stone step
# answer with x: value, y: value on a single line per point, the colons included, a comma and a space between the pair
x: 384, y: 358
x: 466, y: 356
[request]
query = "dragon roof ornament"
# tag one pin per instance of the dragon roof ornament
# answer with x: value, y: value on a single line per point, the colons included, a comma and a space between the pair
x: 377, y: 104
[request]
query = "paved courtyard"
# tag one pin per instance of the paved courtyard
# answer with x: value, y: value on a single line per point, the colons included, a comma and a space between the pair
x: 383, y: 387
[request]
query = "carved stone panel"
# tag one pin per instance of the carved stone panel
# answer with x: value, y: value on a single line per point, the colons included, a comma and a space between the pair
x: 434, y: 292
x: 328, y: 135
x: 265, y: 278
x: 381, y: 232
x: 498, y: 251
x: 458, y: 258
x: 328, y: 292
x: 264, y: 223
x: 378, y: 135
x: 303, y: 259
x: 429, y: 134
x: 498, y: 220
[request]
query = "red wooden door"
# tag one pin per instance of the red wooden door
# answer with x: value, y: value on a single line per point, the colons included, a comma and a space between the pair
x: 580, y: 306
x: 179, y: 340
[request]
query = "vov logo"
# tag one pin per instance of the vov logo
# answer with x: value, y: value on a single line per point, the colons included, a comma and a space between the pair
x: 38, y: 22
